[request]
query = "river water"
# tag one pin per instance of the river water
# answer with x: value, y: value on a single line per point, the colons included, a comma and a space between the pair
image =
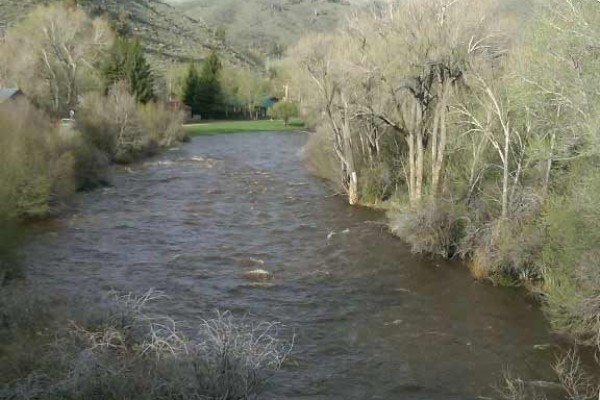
x: 372, y: 321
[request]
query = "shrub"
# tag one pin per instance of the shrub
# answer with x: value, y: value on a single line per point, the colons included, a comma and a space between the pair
x: 575, y: 382
x: 503, y: 251
x: 91, y: 165
x: 115, y: 350
x: 570, y: 260
x: 320, y: 159
x: 283, y: 110
x: 112, y: 125
x: 36, y: 164
x: 164, y: 126
x: 123, y: 130
x: 375, y: 184
x: 435, y: 228
x: 234, y: 359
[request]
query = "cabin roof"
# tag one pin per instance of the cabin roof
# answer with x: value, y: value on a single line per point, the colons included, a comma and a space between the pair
x: 9, y: 93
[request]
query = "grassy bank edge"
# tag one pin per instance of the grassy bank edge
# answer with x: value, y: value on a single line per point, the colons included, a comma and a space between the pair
x: 221, y: 127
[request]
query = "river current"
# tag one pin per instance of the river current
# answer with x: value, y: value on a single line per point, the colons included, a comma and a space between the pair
x: 372, y: 320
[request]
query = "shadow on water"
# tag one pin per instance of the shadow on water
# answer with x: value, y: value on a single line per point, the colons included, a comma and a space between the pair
x: 372, y: 320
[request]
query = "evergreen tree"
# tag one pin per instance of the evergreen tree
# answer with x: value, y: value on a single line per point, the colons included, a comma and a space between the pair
x: 209, y: 91
x: 127, y: 62
x: 192, y: 89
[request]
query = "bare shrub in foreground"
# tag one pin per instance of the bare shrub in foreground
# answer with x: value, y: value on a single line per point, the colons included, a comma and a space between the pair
x: 234, y: 359
x: 574, y: 382
x: 516, y: 389
x: 118, y: 350
x: 577, y: 383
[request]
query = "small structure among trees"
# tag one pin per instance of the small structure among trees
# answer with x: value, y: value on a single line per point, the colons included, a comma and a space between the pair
x: 10, y: 94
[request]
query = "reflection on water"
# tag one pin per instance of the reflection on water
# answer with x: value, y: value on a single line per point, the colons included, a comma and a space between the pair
x: 372, y: 321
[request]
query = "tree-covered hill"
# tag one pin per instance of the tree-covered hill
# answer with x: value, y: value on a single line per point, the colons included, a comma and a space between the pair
x: 269, y: 26
x: 167, y: 34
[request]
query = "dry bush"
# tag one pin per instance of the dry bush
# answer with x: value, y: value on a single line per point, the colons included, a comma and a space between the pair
x: 434, y: 228
x: 116, y: 349
x: 375, y: 183
x: 577, y: 383
x: 574, y: 382
x: 513, y: 388
x: 235, y: 358
x: 125, y: 131
x: 111, y: 123
x: 163, y: 125
x: 505, y: 250
x: 320, y: 158
x: 36, y: 165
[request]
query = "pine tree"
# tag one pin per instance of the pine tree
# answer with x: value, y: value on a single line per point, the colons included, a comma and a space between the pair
x: 210, y: 97
x: 127, y: 62
x: 192, y: 89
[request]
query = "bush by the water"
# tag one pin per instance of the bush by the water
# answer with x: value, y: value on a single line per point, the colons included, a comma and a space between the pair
x: 125, y: 130
x: 42, y: 165
x: 36, y: 163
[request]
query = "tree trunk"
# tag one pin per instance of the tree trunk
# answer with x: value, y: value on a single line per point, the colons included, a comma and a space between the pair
x: 411, y: 167
x: 353, y: 196
x: 420, y: 153
x: 505, y: 177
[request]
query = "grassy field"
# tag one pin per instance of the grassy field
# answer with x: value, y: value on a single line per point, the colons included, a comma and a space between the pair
x: 213, y: 128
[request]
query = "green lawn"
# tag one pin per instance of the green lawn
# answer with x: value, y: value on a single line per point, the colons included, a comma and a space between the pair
x: 212, y: 128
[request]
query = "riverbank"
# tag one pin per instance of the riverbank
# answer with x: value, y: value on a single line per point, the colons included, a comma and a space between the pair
x: 217, y: 127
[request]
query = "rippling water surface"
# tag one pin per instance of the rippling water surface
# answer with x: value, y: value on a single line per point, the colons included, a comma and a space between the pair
x: 372, y: 321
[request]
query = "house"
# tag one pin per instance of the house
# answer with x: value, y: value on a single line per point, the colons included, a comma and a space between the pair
x: 266, y: 103
x: 10, y: 94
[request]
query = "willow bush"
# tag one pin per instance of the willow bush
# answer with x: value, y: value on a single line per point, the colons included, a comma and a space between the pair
x: 36, y: 164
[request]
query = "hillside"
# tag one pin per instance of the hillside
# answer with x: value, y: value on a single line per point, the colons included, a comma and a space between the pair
x: 269, y: 25
x: 167, y: 34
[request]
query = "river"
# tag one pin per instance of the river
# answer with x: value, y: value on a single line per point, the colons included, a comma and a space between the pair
x: 372, y: 320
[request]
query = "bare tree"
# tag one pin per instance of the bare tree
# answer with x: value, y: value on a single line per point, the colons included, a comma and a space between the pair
x: 53, y: 54
x: 315, y: 56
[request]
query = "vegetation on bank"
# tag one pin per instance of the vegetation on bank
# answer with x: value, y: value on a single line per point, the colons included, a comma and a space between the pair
x: 213, y: 128
x: 65, y: 60
x: 70, y: 63
x: 478, y: 125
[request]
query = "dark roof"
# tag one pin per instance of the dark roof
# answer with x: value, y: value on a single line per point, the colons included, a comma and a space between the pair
x: 268, y: 101
x: 9, y: 94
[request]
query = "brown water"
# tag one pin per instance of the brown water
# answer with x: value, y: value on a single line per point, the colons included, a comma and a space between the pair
x: 372, y: 320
